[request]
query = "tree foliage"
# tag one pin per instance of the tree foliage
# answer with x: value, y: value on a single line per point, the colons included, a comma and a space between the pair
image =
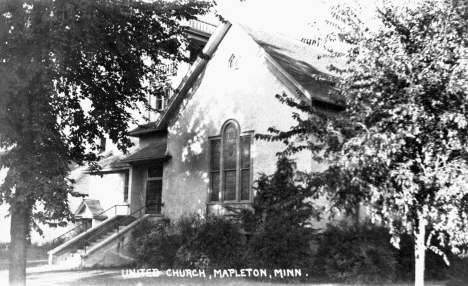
x: 400, y: 146
x: 356, y: 254
x: 283, y: 197
x: 58, y: 56
x: 279, y: 223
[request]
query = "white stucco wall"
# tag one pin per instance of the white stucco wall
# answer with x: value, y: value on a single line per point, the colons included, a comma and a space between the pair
x: 246, y: 94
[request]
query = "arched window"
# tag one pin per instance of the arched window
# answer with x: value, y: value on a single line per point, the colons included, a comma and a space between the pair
x: 230, y: 178
x: 232, y: 63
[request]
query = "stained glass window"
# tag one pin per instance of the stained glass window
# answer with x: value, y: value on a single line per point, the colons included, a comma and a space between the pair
x: 245, y: 152
x: 215, y: 187
x: 215, y: 155
x: 245, y: 184
x: 230, y: 166
x: 230, y: 147
x: 230, y: 186
x: 215, y: 168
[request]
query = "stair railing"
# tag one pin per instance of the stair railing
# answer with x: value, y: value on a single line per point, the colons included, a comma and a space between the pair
x: 87, y: 242
x: 85, y: 223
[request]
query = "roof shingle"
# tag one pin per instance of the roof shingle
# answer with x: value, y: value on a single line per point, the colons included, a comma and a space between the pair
x: 94, y: 206
x: 305, y: 64
x: 156, y: 150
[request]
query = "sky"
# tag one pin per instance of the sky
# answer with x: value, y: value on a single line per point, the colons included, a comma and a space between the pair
x: 284, y: 16
x: 291, y: 17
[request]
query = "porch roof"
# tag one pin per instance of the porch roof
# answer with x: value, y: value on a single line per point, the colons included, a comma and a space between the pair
x: 93, y: 206
x: 111, y: 163
x: 153, y: 152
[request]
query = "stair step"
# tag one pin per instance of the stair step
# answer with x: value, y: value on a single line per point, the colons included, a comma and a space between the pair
x: 73, y: 259
x: 101, y: 239
x: 70, y: 262
x: 91, y: 245
x: 106, y: 236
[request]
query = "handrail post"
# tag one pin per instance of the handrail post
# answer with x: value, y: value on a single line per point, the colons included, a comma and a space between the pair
x: 86, y: 222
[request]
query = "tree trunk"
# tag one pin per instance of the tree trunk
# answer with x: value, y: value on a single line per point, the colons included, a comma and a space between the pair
x: 420, y: 253
x: 19, y: 231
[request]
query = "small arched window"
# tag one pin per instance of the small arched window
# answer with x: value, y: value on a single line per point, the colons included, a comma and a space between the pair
x: 230, y: 179
x: 232, y: 63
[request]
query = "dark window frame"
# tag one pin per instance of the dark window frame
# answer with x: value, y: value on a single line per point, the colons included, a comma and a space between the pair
x: 154, y: 173
x: 126, y: 185
x: 239, y: 168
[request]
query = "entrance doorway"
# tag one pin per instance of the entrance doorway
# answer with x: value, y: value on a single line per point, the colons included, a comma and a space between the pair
x: 154, y: 189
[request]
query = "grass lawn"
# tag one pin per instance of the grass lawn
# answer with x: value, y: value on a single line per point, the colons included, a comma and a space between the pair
x: 34, y: 253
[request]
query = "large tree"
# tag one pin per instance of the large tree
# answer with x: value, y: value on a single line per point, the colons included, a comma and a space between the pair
x: 57, y: 56
x: 400, y: 146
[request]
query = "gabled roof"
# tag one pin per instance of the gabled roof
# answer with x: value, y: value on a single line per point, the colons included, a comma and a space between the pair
x: 187, y: 82
x: 113, y: 162
x: 77, y: 172
x: 302, y: 64
x: 298, y: 62
x: 90, y: 208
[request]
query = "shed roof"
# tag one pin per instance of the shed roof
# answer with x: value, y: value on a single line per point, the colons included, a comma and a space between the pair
x: 154, y: 151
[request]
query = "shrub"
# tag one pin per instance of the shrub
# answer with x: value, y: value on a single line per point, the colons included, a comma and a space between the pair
x: 280, y: 246
x: 155, y: 244
x: 214, y: 242
x: 364, y: 254
x: 435, y: 266
x: 458, y: 269
x: 279, y: 222
x: 189, y: 242
x: 356, y: 254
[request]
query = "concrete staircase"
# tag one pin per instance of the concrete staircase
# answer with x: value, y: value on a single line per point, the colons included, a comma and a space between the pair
x: 81, y: 249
